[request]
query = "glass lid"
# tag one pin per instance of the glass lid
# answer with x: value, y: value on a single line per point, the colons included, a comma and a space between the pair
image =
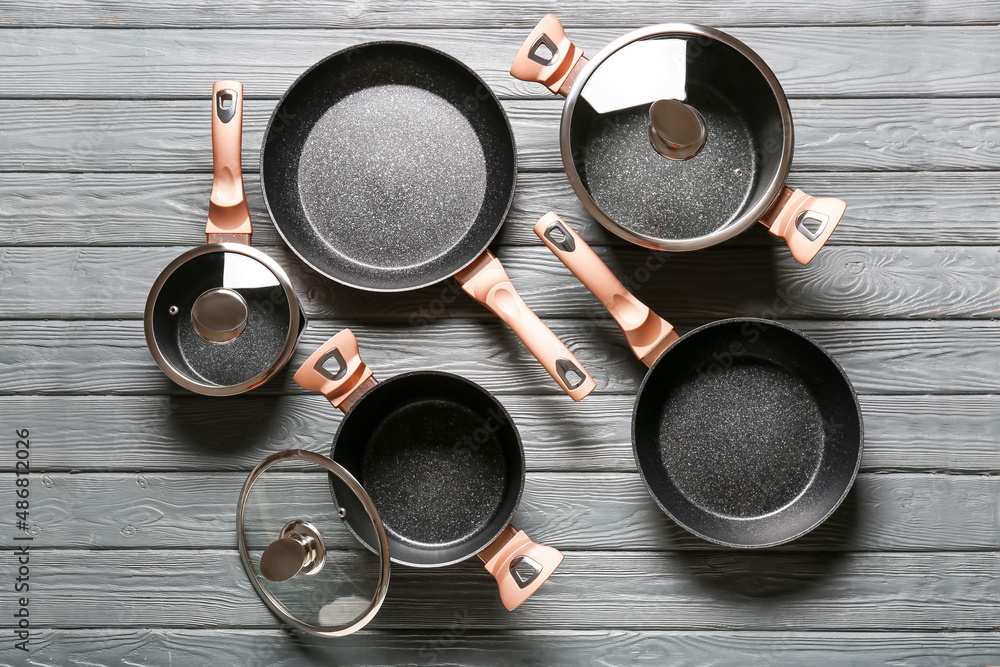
x: 295, y: 547
x: 222, y: 318
x: 674, y: 132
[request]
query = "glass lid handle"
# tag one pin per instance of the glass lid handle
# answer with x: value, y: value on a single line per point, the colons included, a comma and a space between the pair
x: 299, y: 549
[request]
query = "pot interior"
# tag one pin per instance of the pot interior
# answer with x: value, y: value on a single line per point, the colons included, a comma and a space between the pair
x: 656, y: 197
x: 440, y: 459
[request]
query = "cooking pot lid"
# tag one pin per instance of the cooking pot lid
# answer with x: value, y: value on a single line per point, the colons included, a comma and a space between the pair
x: 665, y: 131
x: 222, y: 318
x: 297, y: 551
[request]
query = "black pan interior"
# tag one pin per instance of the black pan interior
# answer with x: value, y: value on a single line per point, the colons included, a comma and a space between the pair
x: 388, y: 166
x: 747, y: 433
x: 442, y: 461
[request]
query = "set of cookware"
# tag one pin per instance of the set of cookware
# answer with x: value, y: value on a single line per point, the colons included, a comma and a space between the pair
x: 391, y: 166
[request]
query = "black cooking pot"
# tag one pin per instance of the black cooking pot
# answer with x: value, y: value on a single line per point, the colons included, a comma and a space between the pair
x: 677, y: 137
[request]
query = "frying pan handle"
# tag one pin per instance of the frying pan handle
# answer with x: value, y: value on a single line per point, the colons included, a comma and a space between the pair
x: 228, y: 213
x: 344, y: 384
x: 557, y: 67
x: 804, y: 221
x: 519, y: 565
x: 486, y: 281
x: 647, y: 333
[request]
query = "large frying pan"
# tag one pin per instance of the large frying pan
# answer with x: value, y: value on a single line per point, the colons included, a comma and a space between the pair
x: 745, y: 432
x: 390, y: 166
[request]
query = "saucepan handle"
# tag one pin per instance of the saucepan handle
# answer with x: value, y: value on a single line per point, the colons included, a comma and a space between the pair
x: 519, y: 565
x: 549, y: 57
x: 336, y: 371
x: 647, y: 333
x: 228, y: 213
x: 804, y: 221
x: 486, y: 281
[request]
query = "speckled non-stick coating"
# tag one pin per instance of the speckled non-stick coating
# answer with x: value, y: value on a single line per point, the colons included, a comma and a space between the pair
x: 747, y: 433
x: 388, y: 166
x: 441, y: 460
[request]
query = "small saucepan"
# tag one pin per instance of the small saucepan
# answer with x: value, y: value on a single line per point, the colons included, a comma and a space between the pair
x: 223, y: 318
x: 440, y: 459
x: 677, y: 137
x: 745, y: 431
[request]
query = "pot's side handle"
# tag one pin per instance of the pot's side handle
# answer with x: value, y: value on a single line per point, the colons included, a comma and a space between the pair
x: 549, y: 57
x: 519, y: 565
x: 337, y: 371
x: 486, y: 281
x: 228, y: 213
x: 804, y: 221
x: 647, y: 333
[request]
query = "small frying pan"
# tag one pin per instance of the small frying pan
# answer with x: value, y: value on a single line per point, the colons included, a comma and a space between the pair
x: 390, y: 166
x: 440, y: 459
x: 746, y: 432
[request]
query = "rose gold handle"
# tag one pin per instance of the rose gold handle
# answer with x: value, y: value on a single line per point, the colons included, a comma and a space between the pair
x: 804, y: 221
x: 486, y: 281
x: 647, y: 333
x: 344, y: 384
x: 228, y: 213
x: 557, y: 66
x: 519, y: 565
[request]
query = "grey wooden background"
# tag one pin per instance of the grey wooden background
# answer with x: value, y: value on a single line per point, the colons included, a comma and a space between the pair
x: 105, y: 158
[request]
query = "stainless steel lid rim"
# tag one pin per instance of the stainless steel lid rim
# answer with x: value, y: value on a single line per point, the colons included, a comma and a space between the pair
x: 734, y: 228
x: 383, y: 552
x: 295, y: 329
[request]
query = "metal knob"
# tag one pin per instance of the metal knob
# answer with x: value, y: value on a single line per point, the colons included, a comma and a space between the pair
x: 676, y: 130
x: 299, y: 550
x: 219, y: 315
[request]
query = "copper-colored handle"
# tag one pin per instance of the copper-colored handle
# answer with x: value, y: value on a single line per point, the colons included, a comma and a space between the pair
x: 228, y: 213
x: 486, y: 281
x: 344, y: 384
x: 558, y: 68
x: 804, y: 221
x: 647, y: 333
x: 519, y: 565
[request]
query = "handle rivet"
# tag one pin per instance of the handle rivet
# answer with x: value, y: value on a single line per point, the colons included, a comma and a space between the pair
x: 738, y: 173
x: 341, y: 512
x: 173, y: 310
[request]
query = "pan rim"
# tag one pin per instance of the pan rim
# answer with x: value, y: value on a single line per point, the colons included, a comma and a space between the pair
x: 847, y: 383
x: 475, y: 539
x: 276, y: 112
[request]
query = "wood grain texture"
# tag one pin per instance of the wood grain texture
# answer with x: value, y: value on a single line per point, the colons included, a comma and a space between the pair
x: 574, y: 511
x: 150, y: 63
x: 459, y: 645
x: 110, y: 357
x: 480, y: 13
x: 97, y: 209
x: 190, y: 433
x: 680, y: 590
x: 842, y: 282
x: 173, y: 136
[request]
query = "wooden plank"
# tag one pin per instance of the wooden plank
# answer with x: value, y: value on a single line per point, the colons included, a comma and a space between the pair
x: 830, y: 135
x: 135, y: 209
x: 637, y: 591
x: 842, y: 282
x: 519, y: 13
x: 153, y: 63
x: 188, y: 432
x: 110, y: 357
x: 575, y: 511
x: 457, y: 644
